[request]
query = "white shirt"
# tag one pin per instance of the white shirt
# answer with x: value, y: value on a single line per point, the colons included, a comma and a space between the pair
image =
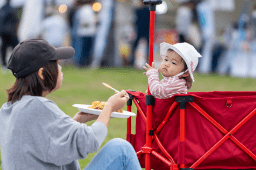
x: 54, y: 29
x: 86, y: 21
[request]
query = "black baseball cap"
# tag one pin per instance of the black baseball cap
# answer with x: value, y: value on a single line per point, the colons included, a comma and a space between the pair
x: 30, y: 55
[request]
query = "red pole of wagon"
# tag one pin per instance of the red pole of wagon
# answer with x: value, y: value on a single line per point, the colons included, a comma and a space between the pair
x: 149, y: 107
x: 152, y: 7
x: 151, y: 36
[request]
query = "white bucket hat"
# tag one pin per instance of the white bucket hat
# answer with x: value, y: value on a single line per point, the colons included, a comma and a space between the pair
x: 186, y: 51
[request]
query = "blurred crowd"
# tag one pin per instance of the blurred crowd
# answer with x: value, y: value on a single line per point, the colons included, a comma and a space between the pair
x: 232, y: 52
x: 107, y: 33
x: 87, y: 25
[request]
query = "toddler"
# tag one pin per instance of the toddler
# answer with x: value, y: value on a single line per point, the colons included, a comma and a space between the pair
x: 179, y: 62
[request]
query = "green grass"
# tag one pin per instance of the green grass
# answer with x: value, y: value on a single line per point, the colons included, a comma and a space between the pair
x: 85, y: 86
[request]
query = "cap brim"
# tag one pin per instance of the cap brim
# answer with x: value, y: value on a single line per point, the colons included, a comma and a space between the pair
x: 63, y: 53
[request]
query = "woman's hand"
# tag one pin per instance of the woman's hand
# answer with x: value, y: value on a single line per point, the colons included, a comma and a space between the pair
x: 148, y: 67
x: 118, y: 100
x: 84, y: 117
x: 114, y: 103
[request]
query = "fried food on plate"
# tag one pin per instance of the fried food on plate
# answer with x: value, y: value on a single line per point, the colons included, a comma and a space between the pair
x: 100, y: 105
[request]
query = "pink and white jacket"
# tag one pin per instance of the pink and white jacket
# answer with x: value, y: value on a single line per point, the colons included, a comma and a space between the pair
x: 167, y: 87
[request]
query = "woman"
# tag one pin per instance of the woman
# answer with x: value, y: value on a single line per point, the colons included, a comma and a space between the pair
x: 36, y: 134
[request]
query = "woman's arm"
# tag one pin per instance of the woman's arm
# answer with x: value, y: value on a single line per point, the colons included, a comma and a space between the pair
x: 82, y: 117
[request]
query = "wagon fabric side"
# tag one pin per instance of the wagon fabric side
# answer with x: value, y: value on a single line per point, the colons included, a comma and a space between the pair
x: 219, y: 130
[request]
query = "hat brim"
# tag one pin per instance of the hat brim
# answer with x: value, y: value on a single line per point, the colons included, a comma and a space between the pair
x: 63, y: 53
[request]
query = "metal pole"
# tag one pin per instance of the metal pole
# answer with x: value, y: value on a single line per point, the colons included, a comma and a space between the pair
x: 152, y: 7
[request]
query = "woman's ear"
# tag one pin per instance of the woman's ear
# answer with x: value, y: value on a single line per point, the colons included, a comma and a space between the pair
x: 40, y: 73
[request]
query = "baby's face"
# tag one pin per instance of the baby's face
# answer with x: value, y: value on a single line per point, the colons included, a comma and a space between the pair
x: 172, y: 64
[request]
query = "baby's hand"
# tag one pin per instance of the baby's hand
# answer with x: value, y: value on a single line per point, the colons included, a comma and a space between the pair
x: 146, y: 91
x: 148, y: 67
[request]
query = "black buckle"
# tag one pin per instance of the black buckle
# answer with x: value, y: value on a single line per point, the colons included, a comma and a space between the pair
x: 151, y: 132
x: 184, y: 98
x: 129, y: 102
x: 150, y: 100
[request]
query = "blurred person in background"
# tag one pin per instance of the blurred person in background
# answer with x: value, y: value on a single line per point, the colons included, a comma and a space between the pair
x: 54, y: 27
x: 82, y: 22
x: 124, y: 32
x: 142, y: 18
x: 184, y: 18
x: 207, y: 26
x: 31, y: 18
x: 71, y: 11
x: 227, y: 42
x: 104, y: 45
x: 83, y: 31
x: 194, y: 33
x: 253, y: 31
x: 230, y: 41
x: 253, y: 21
x: 8, y: 30
x: 240, y: 57
x: 219, y: 50
x: 70, y: 15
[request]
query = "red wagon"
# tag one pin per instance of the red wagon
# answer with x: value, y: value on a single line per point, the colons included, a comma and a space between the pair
x: 200, y: 130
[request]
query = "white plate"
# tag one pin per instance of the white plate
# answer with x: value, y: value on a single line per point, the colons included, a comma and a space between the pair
x: 84, y: 108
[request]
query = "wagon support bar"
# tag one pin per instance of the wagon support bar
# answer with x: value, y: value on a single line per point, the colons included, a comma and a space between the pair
x: 182, y: 100
x: 149, y: 150
x: 228, y: 135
